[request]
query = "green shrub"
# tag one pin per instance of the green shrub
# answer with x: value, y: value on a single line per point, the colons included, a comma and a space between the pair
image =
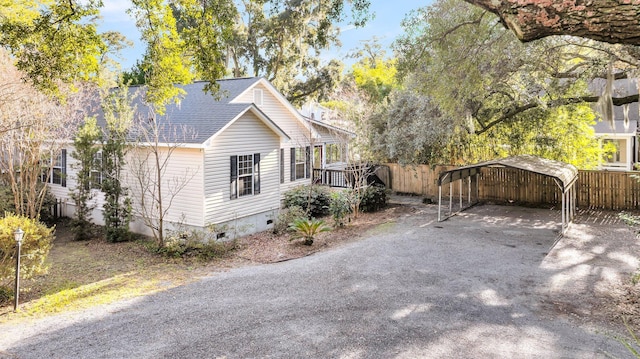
x: 312, y: 199
x: 339, y: 206
x: 35, y: 247
x: 6, y: 200
x: 286, y: 217
x: 201, y: 244
x: 7, y: 203
x: 84, y: 230
x: 46, y: 213
x: 307, y: 229
x: 5, y: 295
x: 373, y: 199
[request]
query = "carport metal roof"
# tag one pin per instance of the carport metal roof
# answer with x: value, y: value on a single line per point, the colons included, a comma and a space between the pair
x: 564, y: 175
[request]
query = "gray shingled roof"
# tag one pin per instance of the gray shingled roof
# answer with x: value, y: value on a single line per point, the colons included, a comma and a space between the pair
x: 632, y: 128
x: 199, y: 115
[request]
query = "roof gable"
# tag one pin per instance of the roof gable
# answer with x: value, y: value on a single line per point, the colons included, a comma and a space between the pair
x: 199, y: 116
x: 259, y: 114
x: 281, y: 99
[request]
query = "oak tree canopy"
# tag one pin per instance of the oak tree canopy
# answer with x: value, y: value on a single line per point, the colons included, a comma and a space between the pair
x: 612, y: 21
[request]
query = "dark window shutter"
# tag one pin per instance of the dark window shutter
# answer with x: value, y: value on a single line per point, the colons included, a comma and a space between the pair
x: 293, y: 164
x: 307, y: 167
x: 234, y: 177
x: 282, y: 165
x: 63, y: 176
x: 256, y: 173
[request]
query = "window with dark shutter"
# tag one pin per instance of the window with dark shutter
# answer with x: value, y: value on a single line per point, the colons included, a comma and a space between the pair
x: 63, y: 164
x: 234, y: 177
x: 293, y: 165
x: 256, y: 173
x: 282, y: 165
x: 307, y: 167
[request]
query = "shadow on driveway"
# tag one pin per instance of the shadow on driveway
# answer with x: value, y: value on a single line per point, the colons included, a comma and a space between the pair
x: 489, y: 283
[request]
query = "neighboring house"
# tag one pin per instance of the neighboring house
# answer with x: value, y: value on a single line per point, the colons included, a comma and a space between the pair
x: 623, y: 135
x: 331, y: 147
x: 625, y: 140
x: 239, y: 153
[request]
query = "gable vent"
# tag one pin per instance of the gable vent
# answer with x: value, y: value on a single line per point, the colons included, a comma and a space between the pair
x: 257, y: 97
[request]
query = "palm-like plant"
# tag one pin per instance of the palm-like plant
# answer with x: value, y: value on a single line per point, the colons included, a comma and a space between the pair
x: 307, y: 229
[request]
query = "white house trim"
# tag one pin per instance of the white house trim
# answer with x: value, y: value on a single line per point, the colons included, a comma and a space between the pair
x: 256, y: 111
x: 282, y: 100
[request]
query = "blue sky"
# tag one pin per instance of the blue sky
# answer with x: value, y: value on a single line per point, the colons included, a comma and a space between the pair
x: 385, y: 26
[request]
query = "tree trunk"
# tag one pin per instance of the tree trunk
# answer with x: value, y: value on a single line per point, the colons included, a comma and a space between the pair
x: 613, y: 21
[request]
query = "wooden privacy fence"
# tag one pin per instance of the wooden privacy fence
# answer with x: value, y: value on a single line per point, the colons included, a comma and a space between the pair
x: 608, y: 190
x: 612, y: 190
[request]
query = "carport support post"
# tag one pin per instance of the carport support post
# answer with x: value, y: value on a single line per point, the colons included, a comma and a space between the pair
x: 450, y: 198
x: 477, y: 187
x: 469, y: 182
x: 564, y: 195
x: 460, y: 194
x: 439, y: 200
x: 573, y: 199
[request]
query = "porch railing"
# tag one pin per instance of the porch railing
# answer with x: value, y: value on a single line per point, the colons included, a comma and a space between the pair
x: 344, y: 178
x: 332, y: 178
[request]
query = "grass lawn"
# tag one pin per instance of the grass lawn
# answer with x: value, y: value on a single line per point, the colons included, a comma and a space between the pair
x: 82, y: 274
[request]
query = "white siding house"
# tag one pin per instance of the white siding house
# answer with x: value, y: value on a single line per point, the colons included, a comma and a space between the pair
x: 246, y: 147
x: 295, y: 152
x: 623, y: 135
x: 624, y: 139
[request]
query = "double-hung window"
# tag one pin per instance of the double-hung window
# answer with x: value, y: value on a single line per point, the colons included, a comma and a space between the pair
x: 300, y: 163
x: 96, y: 171
x: 245, y: 175
x: 56, y: 171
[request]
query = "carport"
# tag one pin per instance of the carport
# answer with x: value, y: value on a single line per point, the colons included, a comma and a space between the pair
x: 563, y: 174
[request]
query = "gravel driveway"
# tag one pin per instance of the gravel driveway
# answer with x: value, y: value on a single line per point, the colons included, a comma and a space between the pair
x: 489, y: 283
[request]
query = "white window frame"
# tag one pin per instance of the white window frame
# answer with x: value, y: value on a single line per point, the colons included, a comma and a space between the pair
x: 301, y: 152
x: 97, y: 173
x: 245, y: 175
x: 55, y: 165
